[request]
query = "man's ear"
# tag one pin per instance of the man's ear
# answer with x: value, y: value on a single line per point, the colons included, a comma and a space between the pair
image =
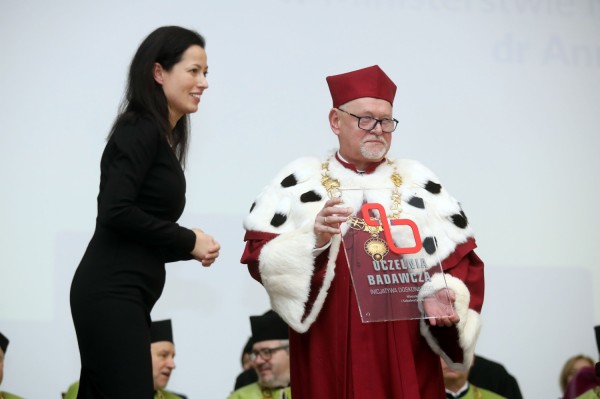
x: 334, y: 121
x: 158, y: 73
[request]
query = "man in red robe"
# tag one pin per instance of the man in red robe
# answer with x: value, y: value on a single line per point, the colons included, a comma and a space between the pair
x: 294, y: 247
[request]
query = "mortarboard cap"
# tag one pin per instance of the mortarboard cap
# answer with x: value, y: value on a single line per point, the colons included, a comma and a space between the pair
x: 161, y: 331
x: 269, y: 326
x: 3, y: 343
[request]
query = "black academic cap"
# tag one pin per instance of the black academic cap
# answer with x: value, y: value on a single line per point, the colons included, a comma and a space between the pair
x: 248, y: 346
x: 597, y: 331
x: 161, y: 331
x: 269, y: 326
x: 3, y: 343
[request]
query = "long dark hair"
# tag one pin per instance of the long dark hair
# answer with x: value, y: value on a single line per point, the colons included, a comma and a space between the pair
x: 144, y: 96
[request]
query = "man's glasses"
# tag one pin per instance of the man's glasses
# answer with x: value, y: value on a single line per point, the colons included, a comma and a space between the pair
x: 369, y: 123
x: 265, y: 353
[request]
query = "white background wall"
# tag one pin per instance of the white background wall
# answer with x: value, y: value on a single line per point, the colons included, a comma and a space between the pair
x: 500, y: 97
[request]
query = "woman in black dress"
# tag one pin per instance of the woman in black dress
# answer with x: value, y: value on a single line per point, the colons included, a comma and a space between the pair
x: 142, y: 194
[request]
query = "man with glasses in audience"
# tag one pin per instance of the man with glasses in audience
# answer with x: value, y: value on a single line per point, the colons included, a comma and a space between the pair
x: 270, y: 358
x: 294, y: 248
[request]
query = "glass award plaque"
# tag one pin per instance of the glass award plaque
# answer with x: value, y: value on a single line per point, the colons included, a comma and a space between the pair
x: 389, y: 266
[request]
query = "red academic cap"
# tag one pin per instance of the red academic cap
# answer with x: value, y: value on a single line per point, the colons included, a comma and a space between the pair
x: 366, y: 82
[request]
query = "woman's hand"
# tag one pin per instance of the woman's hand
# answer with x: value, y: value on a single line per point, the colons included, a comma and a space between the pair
x: 206, y: 249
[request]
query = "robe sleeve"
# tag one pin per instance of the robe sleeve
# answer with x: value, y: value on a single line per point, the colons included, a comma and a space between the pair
x: 296, y: 280
x: 255, y: 241
x: 463, y: 273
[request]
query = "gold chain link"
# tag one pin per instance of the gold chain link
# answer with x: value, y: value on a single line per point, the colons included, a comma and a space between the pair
x: 332, y: 186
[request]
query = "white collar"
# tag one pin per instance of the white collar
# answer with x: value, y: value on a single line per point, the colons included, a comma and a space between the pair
x: 460, y: 392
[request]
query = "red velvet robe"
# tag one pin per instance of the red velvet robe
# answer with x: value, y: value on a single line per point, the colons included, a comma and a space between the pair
x: 341, y: 357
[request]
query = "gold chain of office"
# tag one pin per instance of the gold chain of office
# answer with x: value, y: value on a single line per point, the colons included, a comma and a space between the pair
x: 332, y: 186
x: 374, y: 247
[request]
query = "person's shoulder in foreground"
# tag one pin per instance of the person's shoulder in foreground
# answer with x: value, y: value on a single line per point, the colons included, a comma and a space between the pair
x: 4, y: 341
x: 481, y: 393
x: 72, y: 391
x: 255, y: 391
x: 162, y: 394
x: 7, y: 395
x: 493, y: 376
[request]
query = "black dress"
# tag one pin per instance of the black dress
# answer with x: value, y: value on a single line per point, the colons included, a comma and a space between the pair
x: 122, y: 273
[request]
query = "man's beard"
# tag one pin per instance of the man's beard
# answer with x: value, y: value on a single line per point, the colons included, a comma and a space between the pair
x: 374, y: 154
x: 273, y: 382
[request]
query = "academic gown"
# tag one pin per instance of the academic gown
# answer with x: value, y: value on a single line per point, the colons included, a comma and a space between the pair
x: 7, y: 395
x: 475, y: 392
x: 333, y: 354
x: 254, y: 391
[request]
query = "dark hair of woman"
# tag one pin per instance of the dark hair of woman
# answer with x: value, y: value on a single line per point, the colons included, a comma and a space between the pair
x: 144, y: 96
